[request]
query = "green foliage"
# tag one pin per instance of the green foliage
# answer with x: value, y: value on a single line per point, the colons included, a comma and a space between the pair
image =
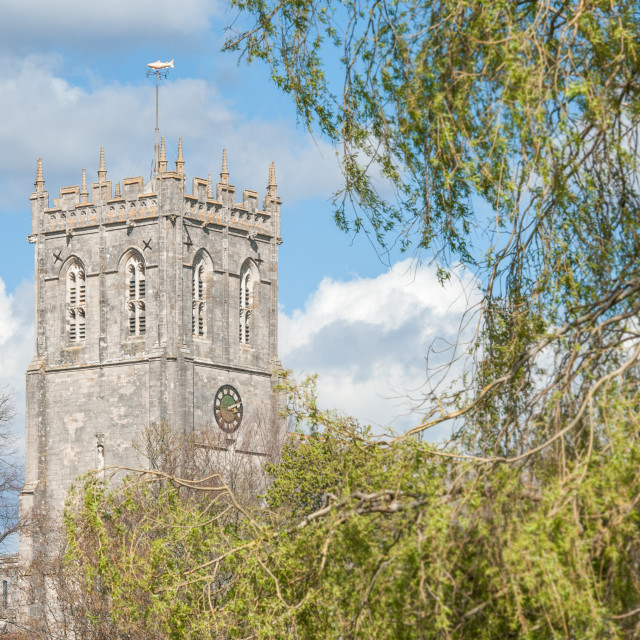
x: 138, y: 544
x: 392, y: 540
x: 513, y: 103
x: 506, y: 134
x: 499, y: 135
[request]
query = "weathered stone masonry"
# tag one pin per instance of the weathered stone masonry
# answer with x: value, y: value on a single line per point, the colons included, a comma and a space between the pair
x: 141, y: 316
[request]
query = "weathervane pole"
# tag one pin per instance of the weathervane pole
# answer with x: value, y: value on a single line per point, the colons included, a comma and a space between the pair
x: 158, y: 69
x: 155, y: 146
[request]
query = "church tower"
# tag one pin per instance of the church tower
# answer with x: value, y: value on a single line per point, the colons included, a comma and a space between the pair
x: 151, y: 304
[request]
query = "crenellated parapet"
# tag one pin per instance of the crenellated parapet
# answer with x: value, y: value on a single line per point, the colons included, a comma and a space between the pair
x: 165, y: 194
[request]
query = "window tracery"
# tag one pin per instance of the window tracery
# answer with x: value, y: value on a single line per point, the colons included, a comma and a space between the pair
x: 76, y: 302
x: 136, y: 292
x: 246, y: 305
x: 198, y: 295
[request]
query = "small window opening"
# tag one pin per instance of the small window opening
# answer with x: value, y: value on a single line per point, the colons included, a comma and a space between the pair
x: 142, y: 319
x: 81, y: 324
x: 132, y: 319
x: 72, y: 325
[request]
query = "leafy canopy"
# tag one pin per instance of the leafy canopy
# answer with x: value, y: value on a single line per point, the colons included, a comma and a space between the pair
x: 501, y: 135
x: 360, y: 542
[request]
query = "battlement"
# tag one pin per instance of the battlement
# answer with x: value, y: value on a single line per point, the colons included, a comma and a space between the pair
x: 133, y: 201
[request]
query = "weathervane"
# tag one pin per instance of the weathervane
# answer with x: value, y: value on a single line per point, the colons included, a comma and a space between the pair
x: 158, y: 69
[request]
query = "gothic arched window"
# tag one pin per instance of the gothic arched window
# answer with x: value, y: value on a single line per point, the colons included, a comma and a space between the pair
x: 246, y: 304
x: 198, y: 295
x: 136, y: 291
x: 76, y: 301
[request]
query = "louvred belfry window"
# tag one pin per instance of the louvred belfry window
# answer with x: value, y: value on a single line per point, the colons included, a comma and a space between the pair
x: 198, y: 306
x: 76, y: 301
x: 136, y: 292
x: 246, y: 303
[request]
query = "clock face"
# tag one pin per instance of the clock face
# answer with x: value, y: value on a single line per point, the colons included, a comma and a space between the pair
x: 227, y: 408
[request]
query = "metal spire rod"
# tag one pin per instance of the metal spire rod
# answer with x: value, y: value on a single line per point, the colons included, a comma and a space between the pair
x: 158, y: 69
x: 155, y: 147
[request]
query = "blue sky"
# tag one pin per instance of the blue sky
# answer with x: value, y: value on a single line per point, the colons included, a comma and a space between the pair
x: 74, y: 79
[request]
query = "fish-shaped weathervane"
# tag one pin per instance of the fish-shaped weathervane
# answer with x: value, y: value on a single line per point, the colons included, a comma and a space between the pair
x: 157, y: 65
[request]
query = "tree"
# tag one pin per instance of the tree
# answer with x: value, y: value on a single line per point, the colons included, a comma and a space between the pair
x: 11, y: 474
x: 392, y: 541
x: 53, y: 597
x: 121, y: 564
x: 506, y: 133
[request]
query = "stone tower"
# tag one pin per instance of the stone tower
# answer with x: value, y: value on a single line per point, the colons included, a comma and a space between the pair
x: 152, y: 304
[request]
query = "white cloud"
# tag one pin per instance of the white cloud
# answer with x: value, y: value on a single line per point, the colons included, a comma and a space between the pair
x: 16, y: 351
x: 43, y: 114
x: 368, y: 339
x: 30, y: 24
x: 16, y: 345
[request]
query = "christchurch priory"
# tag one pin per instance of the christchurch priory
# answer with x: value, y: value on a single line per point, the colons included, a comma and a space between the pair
x: 154, y: 302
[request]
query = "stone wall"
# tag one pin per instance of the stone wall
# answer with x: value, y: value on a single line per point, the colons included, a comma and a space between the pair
x: 89, y: 398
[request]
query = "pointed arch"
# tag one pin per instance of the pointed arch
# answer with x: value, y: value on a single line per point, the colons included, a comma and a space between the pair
x: 135, y: 276
x: 201, y: 286
x: 249, y: 278
x: 74, y: 274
